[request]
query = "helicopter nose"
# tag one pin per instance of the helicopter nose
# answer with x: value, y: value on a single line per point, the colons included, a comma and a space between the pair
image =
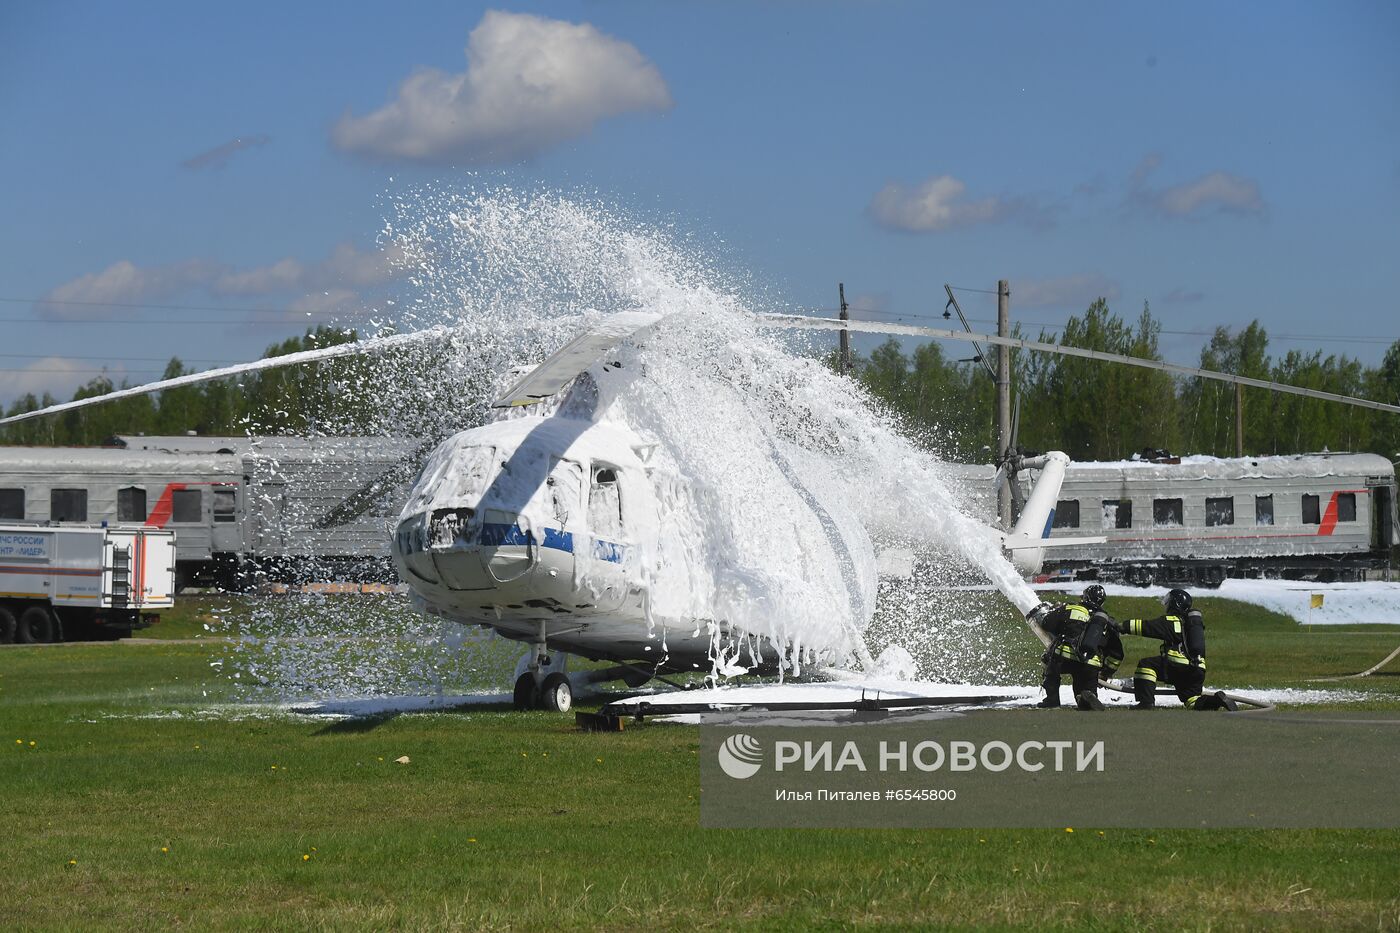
x: 448, y: 547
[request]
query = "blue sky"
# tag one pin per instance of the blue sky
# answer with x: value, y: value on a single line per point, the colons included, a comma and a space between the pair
x: 1222, y: 161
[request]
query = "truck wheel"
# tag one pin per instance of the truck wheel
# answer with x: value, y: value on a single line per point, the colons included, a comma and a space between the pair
x: 7, y: 626
x: 35, y: 626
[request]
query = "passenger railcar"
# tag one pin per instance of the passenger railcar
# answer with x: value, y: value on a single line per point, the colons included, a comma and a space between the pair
x: 1201, y: 519
x: 286, y: 506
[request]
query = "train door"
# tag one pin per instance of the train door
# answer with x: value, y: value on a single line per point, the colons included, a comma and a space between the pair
x: 1383, y: 518
x: 226, y: 531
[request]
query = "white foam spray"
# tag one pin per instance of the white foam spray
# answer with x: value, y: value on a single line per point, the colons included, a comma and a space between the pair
x: 779, y: 473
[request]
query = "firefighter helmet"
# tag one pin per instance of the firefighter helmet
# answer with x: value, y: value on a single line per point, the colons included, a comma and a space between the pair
x: 1094, y: 596
x: 1178, y: 601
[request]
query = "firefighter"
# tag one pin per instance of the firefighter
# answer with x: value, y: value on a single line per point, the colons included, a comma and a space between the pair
x: 1085, y: 645
x: 1182, y: 661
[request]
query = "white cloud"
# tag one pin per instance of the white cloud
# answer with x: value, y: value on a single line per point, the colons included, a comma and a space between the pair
x: 873, y: 303
x: 124, y: 282
x: 345, y: 267
x: 284, y: 275
x: 1066, y: 291
x: 1215, y: 191
x: 1210, y: 193
x: 335, y: 299
x: 1181, y: 295
x: 55, y: 374
x: 530, y: 84
x: 218, y: 156
x: 937, y: 204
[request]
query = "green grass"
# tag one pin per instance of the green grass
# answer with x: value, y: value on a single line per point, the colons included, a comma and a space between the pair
x: 189, y: 617
x: 506, y: 820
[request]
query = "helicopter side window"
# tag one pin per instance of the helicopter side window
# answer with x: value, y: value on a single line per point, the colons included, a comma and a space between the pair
x: 565, y: 480
x: 605, y: 504
x: 475, y: 466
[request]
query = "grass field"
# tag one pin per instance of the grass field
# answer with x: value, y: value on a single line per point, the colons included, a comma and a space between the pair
x: 140, y: 803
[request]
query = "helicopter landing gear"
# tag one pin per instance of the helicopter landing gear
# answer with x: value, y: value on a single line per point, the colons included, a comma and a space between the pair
x: 540, y: 681
x: 557, y: 695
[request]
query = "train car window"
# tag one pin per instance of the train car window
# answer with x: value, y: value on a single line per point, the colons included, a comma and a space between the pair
x: 1067, y: 513
x: 224, y: 506
x: 1118, y: 513
x: 1346, y: 506
x: 1264, y: 510
x: 1167, y: 513
x: 12, y: 504
x: 1220, y: 511
x: 1312, y: 515
x: 68, y: 505
x: 131, y: 504
x: 604, y: 504
x: 186, y: 505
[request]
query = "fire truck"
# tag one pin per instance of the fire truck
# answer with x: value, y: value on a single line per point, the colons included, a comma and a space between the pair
x: 70, y: 582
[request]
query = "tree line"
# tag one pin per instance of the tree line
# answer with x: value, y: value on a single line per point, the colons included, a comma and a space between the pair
x: 1104, y: 411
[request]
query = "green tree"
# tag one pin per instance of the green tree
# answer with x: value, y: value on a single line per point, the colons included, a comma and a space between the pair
x: 1383, y: 385
x: 1096, y: 410
x: 1208, y: 406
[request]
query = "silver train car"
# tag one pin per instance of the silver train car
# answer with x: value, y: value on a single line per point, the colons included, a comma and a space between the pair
x: 280, y: 507
x: 1199, y: 520
x: 300, y: 508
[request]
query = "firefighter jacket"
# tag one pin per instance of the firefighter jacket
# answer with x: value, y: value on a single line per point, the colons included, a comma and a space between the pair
x: 1084, y: 635
x: 1183, y: 638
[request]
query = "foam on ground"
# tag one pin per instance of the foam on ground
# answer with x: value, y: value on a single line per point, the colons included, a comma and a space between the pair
x: 1011, y: 696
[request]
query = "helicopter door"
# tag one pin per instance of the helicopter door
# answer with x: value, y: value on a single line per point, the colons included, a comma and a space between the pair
x: 605, y: 509
x: 607, y: 532
x: 564, y: 490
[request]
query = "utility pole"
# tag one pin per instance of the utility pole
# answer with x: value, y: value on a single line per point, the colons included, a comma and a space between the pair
x: 843, y: 365
x: 1239, y: 420
x: 1003, y: 395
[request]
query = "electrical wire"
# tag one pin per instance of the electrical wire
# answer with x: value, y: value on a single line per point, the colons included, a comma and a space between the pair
x: 153, y: 307
x: 1052, y: 325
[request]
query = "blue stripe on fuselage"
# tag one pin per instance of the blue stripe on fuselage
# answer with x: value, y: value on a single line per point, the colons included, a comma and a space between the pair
x: 1049, y: 523
x: 494, y: 534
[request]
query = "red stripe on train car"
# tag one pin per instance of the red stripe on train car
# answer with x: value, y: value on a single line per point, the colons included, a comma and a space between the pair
x: 1329, y: 518
x: 164, y: 507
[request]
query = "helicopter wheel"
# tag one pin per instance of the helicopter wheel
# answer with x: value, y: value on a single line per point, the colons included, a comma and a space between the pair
x: 557, y: 694
x: 527, y: 695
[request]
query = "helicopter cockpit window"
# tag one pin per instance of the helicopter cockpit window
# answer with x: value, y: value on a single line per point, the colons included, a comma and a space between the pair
x: 564, y: 483
x: 475, y: 467
x: 605, y: 504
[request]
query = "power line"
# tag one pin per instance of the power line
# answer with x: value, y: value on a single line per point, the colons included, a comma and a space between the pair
x: 784, y: 320
x: 114, y: 359
x: 150, y: 307
x: 1050, y: 325
x: 124, y: 372
x: 265, y: 321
